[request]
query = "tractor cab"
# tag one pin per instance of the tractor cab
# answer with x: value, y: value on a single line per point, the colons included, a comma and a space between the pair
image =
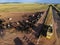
x: 49, y: 32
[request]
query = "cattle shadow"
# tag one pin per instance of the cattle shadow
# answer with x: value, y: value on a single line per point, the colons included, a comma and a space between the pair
x: 18, y: 41
x: 37, y: 29
x: 30, y: 43
x: 41, y: 29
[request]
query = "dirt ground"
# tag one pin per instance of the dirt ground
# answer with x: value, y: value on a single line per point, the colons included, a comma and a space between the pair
x: 11, y: 34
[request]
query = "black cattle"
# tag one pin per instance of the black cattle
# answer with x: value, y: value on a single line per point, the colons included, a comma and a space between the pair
x: 32, y: 19
x: 9, y: 25
x: 1, y: 24
x: 1, y: 30
x: 35, y: 17
x: 23, y: 26
x: 1, y: 21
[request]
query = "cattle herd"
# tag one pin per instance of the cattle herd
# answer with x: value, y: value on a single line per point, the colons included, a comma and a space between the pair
x: 24, y: 25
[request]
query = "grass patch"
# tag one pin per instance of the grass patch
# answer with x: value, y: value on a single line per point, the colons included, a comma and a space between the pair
x: 22, y: 7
